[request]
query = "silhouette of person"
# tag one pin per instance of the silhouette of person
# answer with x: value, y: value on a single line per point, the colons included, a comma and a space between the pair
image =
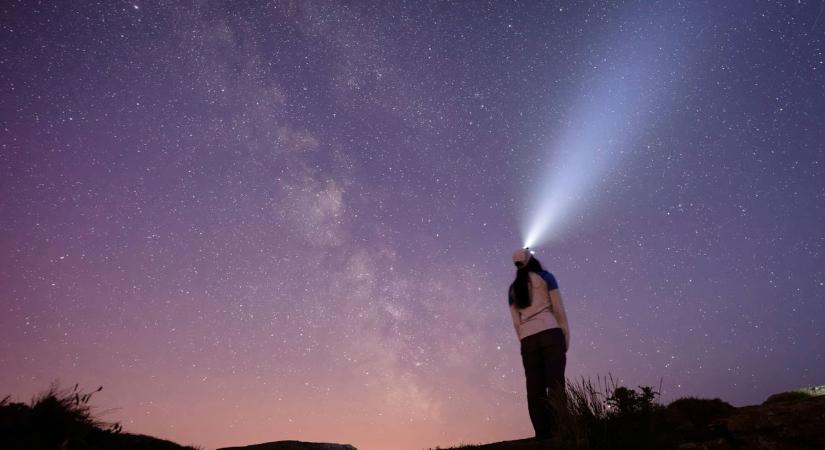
x: 541, y: 325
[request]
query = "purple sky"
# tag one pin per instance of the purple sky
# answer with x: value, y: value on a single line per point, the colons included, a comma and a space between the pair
x: 294, y: 220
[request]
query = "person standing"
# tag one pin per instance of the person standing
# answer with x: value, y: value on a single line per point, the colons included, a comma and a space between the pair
x: 541, y: 326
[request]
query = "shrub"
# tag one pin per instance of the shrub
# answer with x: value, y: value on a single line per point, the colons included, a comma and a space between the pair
x: 690, y: 418
x: 607, y: 416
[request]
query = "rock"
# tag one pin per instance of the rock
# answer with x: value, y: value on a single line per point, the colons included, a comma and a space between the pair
x: 692, y: 419
x: 716, y: 444
x: 780, y: 425
x: 293, y: 445
x: 519, y: 444
x: 796, y: 394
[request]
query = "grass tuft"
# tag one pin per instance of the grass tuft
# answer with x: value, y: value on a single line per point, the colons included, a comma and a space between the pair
x: 603, y: 415
x: 64, y: 419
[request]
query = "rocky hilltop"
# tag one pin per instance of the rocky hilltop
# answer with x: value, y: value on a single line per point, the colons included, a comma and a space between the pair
x: 797, y: 423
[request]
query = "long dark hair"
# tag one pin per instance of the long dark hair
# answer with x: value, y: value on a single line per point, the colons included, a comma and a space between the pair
x: 520, y: 289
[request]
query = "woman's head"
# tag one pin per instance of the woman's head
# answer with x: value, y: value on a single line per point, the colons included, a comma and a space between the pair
x: 523, y: 259
x: 520, y: 289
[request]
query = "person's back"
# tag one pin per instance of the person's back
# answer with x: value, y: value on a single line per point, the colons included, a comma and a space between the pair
x: 538, y: 316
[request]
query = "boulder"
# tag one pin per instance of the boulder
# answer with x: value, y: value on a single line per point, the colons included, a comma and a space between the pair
x: 796, y: 394
x: 785, y: 425
x: 293, y: 445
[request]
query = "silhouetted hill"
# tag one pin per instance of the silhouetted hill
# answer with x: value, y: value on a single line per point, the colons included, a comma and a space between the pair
x: 617, y: 419
x: 293, y: 445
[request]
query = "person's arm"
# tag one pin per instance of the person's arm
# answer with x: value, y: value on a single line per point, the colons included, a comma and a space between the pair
x: 560, y: 315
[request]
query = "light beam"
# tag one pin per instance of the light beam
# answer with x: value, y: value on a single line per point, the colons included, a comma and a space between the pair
x: 625, y: 93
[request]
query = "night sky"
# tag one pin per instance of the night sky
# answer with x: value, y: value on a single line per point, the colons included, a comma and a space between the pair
x: 294, y: 220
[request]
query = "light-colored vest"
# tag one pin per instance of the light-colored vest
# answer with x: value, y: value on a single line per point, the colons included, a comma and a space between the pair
x: 539, y: 315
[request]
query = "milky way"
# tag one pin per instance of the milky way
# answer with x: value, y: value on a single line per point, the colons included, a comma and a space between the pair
x: 294, y: 220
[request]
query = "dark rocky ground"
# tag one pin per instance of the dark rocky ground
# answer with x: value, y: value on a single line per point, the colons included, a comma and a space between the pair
x: 787, y: 421
x: 792, y: 420
x: 790, y: 424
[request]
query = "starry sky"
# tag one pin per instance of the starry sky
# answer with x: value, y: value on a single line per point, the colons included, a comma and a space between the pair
x: 294, y: 220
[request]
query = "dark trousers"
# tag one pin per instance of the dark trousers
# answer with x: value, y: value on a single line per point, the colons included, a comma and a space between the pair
x: 544, y: 358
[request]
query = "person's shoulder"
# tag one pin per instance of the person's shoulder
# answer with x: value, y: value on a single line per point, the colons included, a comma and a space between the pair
x: 550, y: 279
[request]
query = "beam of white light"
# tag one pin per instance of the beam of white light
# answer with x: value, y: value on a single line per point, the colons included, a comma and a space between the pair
x: 618, y: 101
